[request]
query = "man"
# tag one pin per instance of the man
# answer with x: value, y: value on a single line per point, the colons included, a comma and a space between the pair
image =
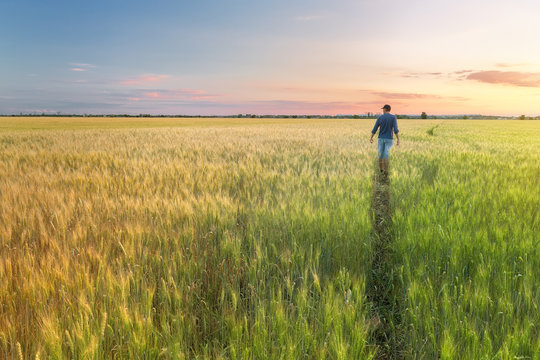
x: 388, y: 126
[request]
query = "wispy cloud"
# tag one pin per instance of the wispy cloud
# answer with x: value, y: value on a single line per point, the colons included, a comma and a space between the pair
x: 305, y: 18
x: 144, y: 79
x: 507, y: 65
x: 514, y: 78
x: 462, y: 72
x: 172, y: 95
x: 387, y: 95
x: 401, y: 96
x: 421, y: 74
x: 81, y: 67
x: 84, y: 65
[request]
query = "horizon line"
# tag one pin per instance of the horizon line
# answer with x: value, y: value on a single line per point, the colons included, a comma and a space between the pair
x: 250, y: 115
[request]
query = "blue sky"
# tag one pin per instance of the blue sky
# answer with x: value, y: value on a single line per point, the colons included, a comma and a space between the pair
x: 269, y: 57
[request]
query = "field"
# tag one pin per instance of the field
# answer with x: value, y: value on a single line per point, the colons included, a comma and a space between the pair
x: 268, y: 239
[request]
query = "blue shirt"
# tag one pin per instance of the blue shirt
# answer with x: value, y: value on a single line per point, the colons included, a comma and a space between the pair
x: 388, y: 123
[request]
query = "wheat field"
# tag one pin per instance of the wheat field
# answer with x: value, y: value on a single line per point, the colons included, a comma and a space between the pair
x: 133, y: 238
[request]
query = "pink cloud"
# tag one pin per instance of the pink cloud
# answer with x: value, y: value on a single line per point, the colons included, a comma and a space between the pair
x: 513, y: 78
x: 388, y: 95
x: 461, y: 72
x: 506, y: 65
x: 144, y: 79
x: 308, y: 17
x: 81, y: 67
x: 421, y: 74
x: 180, y: 94
x: 403, y: 96
x: 152, y: 94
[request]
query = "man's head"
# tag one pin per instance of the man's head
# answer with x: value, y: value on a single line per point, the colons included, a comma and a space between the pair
x: 386, y: 108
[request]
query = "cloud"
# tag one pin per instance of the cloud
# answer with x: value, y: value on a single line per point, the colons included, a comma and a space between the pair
x: 308, y: 18
x: 180, y: 94
x: 514, y: 78
x: 144, y: 79
x: 80, y: 67
x: 507, y: 65
x: 169, y: 95
x: 421, y: 74
x: 401, y: 96
x: 83, y: 65
x: 387, y: 95
x: 461, y: 72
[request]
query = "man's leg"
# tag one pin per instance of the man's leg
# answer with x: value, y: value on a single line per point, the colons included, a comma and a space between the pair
x: 380, y: 146
x: 386, y: 162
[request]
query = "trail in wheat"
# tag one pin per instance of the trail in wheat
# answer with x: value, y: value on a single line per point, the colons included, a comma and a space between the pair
x: 382, y: 288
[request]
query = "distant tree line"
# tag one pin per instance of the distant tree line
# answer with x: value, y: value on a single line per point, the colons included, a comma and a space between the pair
x: 368, y: 115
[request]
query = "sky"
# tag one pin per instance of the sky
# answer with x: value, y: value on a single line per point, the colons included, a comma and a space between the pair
x: 225, y: 57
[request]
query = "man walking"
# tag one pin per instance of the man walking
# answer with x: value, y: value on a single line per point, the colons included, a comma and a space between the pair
x: 388, y: 126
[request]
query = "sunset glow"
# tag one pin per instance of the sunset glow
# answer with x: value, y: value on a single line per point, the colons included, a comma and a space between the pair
x: 270, y: 57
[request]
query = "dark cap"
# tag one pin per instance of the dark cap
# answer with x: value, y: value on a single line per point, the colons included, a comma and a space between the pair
x: 386, y: 107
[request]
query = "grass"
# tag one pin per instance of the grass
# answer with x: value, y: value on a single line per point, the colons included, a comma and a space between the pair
x: 252, y: 238
x: 467, y: 234
x: 22, y: 123
x: 431, y: 130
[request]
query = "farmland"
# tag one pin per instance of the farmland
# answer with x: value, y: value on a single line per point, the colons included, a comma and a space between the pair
x: 259, y: 238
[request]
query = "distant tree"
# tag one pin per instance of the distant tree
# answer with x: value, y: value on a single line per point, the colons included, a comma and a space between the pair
x: 239, y: 115
x: 465, y: 117
x: 424, y: 115
x: 356, y: 116
x: 253, y: 116
x: 522, y: 117
x: 294, y: 116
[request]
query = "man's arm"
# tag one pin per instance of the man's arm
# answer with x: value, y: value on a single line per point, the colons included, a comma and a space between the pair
x: 374, y: 131
x: 396, y: 130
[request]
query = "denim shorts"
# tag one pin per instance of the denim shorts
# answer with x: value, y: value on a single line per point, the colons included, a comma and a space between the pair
x: 384, y: 146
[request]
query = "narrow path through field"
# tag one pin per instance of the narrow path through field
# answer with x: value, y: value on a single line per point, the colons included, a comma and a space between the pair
x: 382, y: 287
